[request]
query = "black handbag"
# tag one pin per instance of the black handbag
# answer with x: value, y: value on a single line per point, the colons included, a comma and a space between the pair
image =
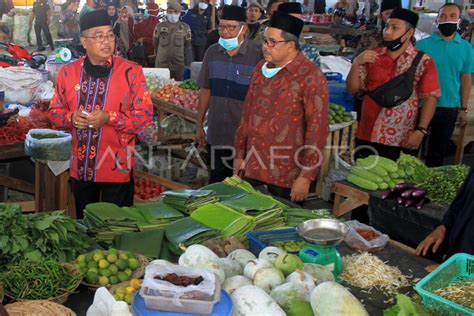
x: 397, y: 90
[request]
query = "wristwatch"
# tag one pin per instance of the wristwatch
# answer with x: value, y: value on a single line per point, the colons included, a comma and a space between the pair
x: 423, y: 130
x: 463, y: 109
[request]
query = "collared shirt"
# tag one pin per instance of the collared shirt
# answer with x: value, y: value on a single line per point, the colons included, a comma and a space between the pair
x: 453, y: 59
x: 105, y: 154
x: 41, y: 9
x: 390, y: 126
x: 284, y: 124
x: 228, y: 78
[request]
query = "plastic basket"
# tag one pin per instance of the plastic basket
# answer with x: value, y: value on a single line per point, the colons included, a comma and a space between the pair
x: 262, y: 239
x: 459, y: 266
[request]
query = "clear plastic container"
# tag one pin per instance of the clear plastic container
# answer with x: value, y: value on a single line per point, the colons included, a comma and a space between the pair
x: 170, y: 304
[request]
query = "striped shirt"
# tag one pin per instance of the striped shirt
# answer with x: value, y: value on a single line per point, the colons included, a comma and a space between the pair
x: 228, y: 78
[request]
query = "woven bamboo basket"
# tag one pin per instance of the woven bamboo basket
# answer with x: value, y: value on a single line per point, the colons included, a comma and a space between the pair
x: 38, y: 308
x: 137, y: 274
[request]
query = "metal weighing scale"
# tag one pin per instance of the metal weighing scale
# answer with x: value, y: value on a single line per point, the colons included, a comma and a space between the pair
x: 323, y: 235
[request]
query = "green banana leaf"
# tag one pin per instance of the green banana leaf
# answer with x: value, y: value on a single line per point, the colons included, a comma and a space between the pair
x: 185, y: 232
x: 228, y: 221
x: 158, y: 211
x: 187, y: 193
x: 147, y: 243
x: 251, y: 204
x: 224, y: 191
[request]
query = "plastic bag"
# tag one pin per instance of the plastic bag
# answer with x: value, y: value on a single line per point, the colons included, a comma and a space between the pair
x: 357, y: 242
x: 203, y: 291
x: 21, y: 84
x: 149, y: 135
x: 38, y: 118
x: 56, y: 145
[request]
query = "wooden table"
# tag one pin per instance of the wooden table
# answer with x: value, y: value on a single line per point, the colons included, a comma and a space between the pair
x: 165, y: 107
x: 347, y: 197
x: 53, y: 192
x: 10, y: 152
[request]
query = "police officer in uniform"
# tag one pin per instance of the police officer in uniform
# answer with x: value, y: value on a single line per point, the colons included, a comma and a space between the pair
x: 172, y: 42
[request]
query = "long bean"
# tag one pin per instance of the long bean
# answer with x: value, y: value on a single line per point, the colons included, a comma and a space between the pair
x: 38, y: 280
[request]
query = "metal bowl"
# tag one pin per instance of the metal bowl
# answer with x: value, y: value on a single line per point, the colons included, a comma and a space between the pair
x: 323, y: 232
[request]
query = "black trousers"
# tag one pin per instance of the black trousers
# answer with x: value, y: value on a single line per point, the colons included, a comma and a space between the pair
x: 220, y: 161
x: 275, y: 190
x: 199, y: 51
x: 86, y: 192
x: 364, y: 149
x: 442, y: 127
x: 43, y: 26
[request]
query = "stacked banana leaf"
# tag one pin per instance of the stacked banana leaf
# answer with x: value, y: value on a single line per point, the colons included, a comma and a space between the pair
x: 148, y: 243
x: 106, y: 220
x: 157, y: 214
x: 186, y: 200
x: 242, y: 197
x: 224, y: 219
x: 295, y: 216
x: 186, y: 232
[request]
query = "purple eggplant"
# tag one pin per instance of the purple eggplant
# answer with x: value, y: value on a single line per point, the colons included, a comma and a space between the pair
x: 410, y: 202
x: 388, y: 194
x: 420, y: 204
x: 403, y: 186
x: 418, y: 193
x: 408, y: 193
x: 400, y: 200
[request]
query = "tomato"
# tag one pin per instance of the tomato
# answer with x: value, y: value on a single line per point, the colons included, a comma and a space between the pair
x: 148, y: 190
x: 147, y: 182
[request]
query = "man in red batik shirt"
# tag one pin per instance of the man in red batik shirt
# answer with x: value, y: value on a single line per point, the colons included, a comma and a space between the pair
x: 102, y: 99
x: 284, y: 123
x: 389, y: 131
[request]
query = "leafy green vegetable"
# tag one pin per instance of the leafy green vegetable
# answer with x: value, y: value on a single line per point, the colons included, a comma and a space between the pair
x: 415, y: 170
x: 444, y: 182
x: 37, y: 236
x: 406, y: 307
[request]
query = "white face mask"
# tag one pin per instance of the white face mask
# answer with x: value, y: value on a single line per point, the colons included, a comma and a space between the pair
x: 203, y: 5
x: 227, y: 2
x: 173, y: 18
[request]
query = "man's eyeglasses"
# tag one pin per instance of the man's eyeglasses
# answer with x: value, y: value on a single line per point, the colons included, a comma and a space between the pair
x: 229, y: 28
x: 101, y: 38
x: 272, y: 42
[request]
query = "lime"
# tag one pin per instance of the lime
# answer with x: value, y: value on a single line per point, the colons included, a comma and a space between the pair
x: 112, y: 258
x: 129, y: 298
x: 118, y: 297
x: 113, y: 280
x: 98, y: 255
x: 123, y: 255
x: 120, y: 291
x: 84, y: 270
x: 93, y: 270
x: 81, y: 258
x: 103, y: 280
x: 131, y: 255
x: 92, y: 278
x: 104, y: 272
x: 133, y: 264
x: 103, y: 264
x: 128, y: 272
x: 82, y: 264
x: 113, y: 251
x: 92, y: 264
x: 122, y: 276
x: 122, y: 264
x: 113, y: 269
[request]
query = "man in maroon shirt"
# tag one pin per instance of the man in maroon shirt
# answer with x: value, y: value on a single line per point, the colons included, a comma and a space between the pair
x: 284, y: 123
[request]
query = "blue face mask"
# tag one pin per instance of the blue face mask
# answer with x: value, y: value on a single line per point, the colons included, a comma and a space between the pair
x: 271, y: 72
x: 230, y: 43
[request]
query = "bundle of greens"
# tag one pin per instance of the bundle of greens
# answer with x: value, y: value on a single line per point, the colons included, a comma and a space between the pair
x: 415, y: 170
x: 38, y: 236
x: 158, y: 214
x: 444, y: 182
x: 186, y: 201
